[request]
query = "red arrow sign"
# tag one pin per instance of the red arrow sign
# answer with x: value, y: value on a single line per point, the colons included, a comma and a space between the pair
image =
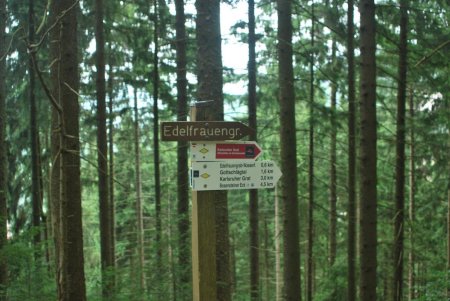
x: 249, y: 150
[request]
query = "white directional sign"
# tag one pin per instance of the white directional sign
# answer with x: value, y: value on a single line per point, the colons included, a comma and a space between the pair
x: 223, y: 151
x: 234, y: 175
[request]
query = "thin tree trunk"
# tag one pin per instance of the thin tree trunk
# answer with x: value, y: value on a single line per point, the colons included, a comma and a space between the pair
x: 310, y: 258
x: 173, y: 294
x: 156, y: 154
x: 55, y: 188
x: 412, y: 192
x: 351, y: 210
x: 107, y: 260
x: 333, y: 159
x: 44, y: 216
x: 418, y: 284
x: 138, y: 187
x: 233, y: 264
x: 368, y: 176
x: 448, y: 221
x: 448, y: 239
x: 266, y: 261
x: 184, y: 279
x: 253, y: 193
x: 111, y: 165
x: 34, y: 136
x: 400, y: 156
x: 277, y: 239
x: 3, y: 164
x: 288, y: 143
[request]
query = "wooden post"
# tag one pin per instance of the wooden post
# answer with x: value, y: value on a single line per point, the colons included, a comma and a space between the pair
x: 204, y: 275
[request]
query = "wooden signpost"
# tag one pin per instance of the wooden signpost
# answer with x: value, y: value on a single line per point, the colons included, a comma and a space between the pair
x: 215, y: 168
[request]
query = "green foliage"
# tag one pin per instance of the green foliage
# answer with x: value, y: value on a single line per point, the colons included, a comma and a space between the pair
x: 28, y: 279
x: 130, y: 52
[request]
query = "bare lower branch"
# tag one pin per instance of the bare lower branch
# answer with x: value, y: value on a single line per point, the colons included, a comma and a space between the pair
x: 425, y: 58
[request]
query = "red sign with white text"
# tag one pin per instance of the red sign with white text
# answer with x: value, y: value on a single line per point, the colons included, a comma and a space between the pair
x: 237, y: 151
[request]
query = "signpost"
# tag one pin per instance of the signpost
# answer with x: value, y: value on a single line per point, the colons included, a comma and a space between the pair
x: 217, y: 165
x: 234, y: 175
x: 220, y: 151
x: 203, y: 130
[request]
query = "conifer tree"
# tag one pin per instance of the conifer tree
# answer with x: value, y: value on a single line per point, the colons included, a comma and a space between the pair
x: 400, y: 156
x: 3, y: 164
x: 368, y: 146
x: 66, y: 184
x: 288, y: 141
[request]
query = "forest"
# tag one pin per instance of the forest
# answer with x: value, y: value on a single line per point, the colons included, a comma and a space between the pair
x: 350, y: 99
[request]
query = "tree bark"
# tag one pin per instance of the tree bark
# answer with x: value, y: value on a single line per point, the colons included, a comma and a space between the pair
x: 139, y: 210
x: 252, y: 121
x: 267, y: 266
x: 34, y: 136
x: 107, y: 260
x: 368, y: 142
x: 351, y: 209
x: 65, y: 78
x: 412, y: 192
x: 448, y: 219
x: 277, y: 239
x: 111, y: 176
x: 210, y: 83
x: 310, y: 246
x: 400, y: 156
x: 3, y: 162
x: 156, y: 155
x: 288, y: 143
x: 448, y: 239
x: 184, y: 278
x: 333, y: 163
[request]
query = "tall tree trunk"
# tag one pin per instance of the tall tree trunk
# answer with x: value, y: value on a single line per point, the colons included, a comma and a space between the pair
x: 412, y: 192
x: 310, y: 258
x: 55, y: 191
x: 171, y: 264
x: 448, y: 238
x: 267, y: 267
x: 173, y: 279
x: 233, y: 263
x: 252, y: 121
x: 138, y: 187
x: 3, y: 164
x: 448, y: 219
x: 111, y: 163
x: 400, y: 156
x: 288, y: 142
x: 65, y: 78
x: 333, y: 163
x: 351, y: 210
x: 277, y: 239
x: 210, y: 83
x: 34, y: 136
x: 184, y: 279
x: 107, y: 260
x: 368, y: 176
x: 156, y: 140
